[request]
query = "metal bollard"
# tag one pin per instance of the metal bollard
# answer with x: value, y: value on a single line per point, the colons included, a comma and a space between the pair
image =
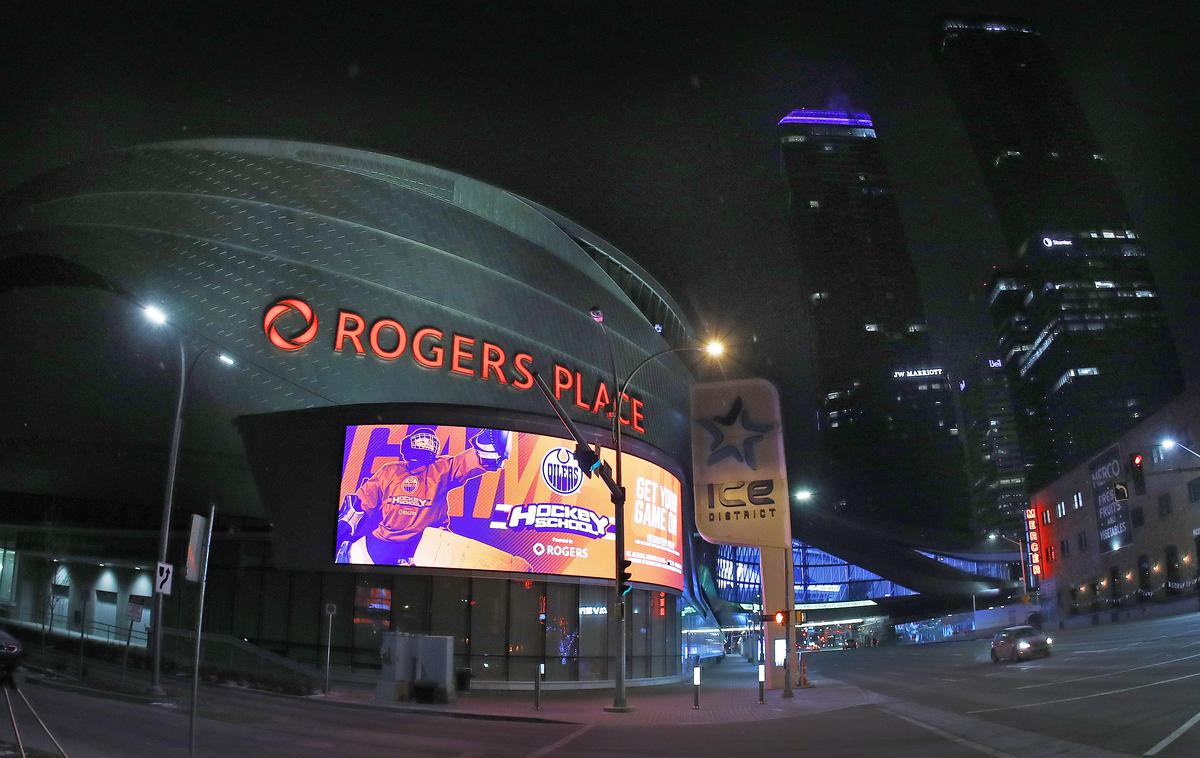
x: 696, y: 687
x: 762, y: 681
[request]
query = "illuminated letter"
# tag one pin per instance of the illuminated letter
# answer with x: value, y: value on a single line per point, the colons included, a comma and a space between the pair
x: 437, y: 353
x: 401, y: 338
x: 351, y: 332
x: 521, y: 363
x: 602, y: 399
x: 458, y: 345
x: 624, y: 404
x: 579, y: 393
x: 562, y: 380
x: 493, y: 358
x: 636, y: 417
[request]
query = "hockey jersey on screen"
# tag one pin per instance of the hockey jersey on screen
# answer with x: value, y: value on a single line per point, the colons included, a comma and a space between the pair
x: 411, y: 501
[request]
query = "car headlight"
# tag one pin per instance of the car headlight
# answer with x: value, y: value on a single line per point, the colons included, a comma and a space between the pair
x: 1023, y: 645
x: 1049, y: 640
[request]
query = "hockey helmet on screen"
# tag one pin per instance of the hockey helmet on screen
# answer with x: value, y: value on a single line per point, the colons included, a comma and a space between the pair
x: 492, y: 446
x: 420, y: 447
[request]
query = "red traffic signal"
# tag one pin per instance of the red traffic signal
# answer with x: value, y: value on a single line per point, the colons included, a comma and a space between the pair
x: 1137, y: 473
x: 780, y: 617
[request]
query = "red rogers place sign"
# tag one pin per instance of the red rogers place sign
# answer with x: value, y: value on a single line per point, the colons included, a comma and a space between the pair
x: 431, y: 348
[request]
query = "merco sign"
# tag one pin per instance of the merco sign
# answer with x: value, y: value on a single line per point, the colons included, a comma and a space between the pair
x: 432, y: 348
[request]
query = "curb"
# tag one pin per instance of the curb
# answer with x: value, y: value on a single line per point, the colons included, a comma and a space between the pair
x: 481, y: 716
x: 127, y: 697
x: 419, y: 710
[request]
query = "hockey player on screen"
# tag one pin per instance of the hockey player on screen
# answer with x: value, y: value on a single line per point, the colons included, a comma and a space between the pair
x: 405, y: 498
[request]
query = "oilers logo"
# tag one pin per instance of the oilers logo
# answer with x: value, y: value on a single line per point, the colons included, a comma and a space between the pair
x: 561, y: 472
x: 410, y: 484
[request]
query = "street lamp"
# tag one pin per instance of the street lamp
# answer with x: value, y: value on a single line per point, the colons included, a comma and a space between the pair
x: 713, y: 349
x: 1021, y: 551
x: 804, y: 495
x: 1171, y: 444
x: 158, y: 317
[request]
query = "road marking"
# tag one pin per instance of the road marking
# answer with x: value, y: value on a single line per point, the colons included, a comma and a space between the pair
x: 1190, y: 644
x: 1110, y: 673
x: 1085, y: 697
x: 548, y: 749
x: 952, y: 737
x: 1173, y: 735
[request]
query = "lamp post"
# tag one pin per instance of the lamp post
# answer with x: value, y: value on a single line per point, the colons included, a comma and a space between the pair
x: 1170, y: 444
x: 712, y: 348
x: 157, y: 316
x: 1021, y: 548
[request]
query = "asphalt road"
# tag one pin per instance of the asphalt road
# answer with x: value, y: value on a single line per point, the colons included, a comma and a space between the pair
x: 1123, y: 688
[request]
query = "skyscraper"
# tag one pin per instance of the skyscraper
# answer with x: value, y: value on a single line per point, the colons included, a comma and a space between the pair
x: 1081, y: 332
x: 889, y: 440
x: 995, y: 461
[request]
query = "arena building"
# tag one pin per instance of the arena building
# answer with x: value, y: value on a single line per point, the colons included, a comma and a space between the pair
x: 353, y: 338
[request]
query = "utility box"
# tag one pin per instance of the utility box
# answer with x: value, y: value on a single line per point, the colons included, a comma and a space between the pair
x: 416, y: 667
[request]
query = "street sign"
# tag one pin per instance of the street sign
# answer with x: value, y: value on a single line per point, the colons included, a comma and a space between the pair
x: 162, y: 584
x: 330, y: 609
x: 135, y: 609
x: 196, y: 547
x: 1122, y: 490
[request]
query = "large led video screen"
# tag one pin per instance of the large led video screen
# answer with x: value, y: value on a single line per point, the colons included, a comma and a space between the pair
x: 498, y: 500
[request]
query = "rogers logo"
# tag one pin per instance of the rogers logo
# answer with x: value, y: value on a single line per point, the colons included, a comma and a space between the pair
x: 296, y: 341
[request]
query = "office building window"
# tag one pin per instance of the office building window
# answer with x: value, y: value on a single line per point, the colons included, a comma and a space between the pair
x: 1065, y: 547
x: 1164, y: 505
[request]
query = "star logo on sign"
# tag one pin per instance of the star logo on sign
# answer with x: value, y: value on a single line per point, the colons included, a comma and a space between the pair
x: 734, y: 435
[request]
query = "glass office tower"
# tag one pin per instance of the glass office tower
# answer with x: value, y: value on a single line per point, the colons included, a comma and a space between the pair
x: 889, y: 443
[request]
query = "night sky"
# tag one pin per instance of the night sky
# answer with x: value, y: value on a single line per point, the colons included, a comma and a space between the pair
x: 651, y: 124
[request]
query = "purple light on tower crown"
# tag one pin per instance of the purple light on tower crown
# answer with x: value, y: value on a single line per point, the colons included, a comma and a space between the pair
x: 837, y: 118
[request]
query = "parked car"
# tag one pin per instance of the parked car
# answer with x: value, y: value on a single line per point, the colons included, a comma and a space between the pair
x: 1019, y: 642
x: 10, y: 654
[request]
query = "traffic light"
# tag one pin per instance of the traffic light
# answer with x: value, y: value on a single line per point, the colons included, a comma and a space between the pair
x: 624, y: 578
x: 587, y: 459
x: 780, y: 617
x: 1136, y: 473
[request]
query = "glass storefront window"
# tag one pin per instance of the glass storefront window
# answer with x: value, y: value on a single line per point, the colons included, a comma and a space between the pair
x: 8, y: 573
x: 562, y: 632
x: 488, y: 646
x: 451, y: 598
x: 527, y: 605
x: 638, y: 631
x: 410, y: 604
x: 372, y: 616
x: 593, y: 632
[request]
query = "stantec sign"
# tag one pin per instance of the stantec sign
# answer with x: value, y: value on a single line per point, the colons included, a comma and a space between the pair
x: 387, y: 339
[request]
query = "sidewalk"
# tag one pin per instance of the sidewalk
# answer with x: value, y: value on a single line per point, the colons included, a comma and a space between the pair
x: 729, y: 694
